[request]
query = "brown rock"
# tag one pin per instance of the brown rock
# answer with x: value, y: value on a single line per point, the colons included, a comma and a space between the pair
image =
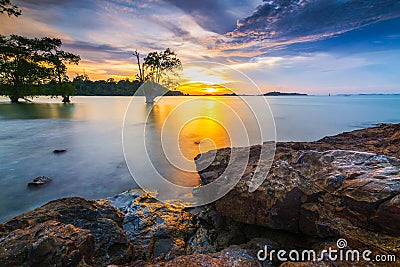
x: 93, y: 224
x: 231, y: 256
x: 197, y: 260
x: 323, y: 194
x: 382, y: 139
x: 50, y: 243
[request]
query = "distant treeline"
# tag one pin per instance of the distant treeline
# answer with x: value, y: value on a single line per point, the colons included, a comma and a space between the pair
x: 109, y: 87
x: 86, y: 87
x: 283, y: 94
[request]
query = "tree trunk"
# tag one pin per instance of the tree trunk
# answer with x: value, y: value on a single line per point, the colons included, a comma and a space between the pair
x: 14, y: 99
x: 150, y: 99
x: 141, y: 67
x: 66, y: 99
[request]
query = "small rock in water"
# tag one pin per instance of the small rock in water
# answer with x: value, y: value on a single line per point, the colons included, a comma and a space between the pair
x: 58, y: 151
x: 122, y: 165
x: 39, y: 181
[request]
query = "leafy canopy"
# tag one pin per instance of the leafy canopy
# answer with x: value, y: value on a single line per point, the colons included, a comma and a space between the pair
x: 25, y: 64
x: 7, y: 7
x: 158, y: 64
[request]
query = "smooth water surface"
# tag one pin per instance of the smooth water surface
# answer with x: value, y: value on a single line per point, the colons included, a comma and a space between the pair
x: 91, y: 128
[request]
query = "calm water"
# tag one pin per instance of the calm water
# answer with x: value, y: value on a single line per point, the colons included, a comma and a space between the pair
x: 90, y: 129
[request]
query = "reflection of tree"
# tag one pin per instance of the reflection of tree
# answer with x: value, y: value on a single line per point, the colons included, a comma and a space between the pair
x: 37, y: 111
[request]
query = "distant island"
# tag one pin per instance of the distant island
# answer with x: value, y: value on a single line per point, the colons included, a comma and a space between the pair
x: 283, y: 94
x: 266, y: 94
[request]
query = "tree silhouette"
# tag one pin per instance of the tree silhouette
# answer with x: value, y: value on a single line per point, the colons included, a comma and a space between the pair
x: 160, y: 67
x: 7, y: 7
x: 57, y: 60
x: 158, y: 64
x: 26, y: 64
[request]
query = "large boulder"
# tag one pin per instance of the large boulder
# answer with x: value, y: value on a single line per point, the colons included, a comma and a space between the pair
x: 66, y: 232
x: 324, y: 194
x: 383, y: 139
x: 50, y: 243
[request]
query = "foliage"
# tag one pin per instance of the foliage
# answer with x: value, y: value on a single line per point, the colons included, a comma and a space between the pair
x: 26, y: 64
x: 161, y: 68
x: 86, y: 87
x: 58, y: 69
x: 7, y: 7
x: 161, y: 64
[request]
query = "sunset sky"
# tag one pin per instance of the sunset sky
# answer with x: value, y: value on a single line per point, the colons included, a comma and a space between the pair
x: 316, y: 47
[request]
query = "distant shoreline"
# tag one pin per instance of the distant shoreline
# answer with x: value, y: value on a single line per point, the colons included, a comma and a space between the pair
x: 269, y: 94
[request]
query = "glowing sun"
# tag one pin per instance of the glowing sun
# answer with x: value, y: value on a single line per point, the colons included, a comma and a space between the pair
x: 211, y: 90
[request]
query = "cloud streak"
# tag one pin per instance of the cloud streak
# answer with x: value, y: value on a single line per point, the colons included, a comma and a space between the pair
x: 304, y: 44
x: 215, y: 16
x: 284, y: 22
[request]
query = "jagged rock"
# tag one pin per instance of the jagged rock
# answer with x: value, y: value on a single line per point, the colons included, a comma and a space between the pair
x: 383, y: 139
x: 157, y: 231
x: 214, y: 232
x: 50, y: 243
x: 197, y: 260
x: 232, y: 256
x: 39, y: 181
x: 93, y: 234
x: 324, y: 194
x: 237, y: 256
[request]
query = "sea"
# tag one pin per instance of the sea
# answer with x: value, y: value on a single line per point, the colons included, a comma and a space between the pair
x: 99, y: 132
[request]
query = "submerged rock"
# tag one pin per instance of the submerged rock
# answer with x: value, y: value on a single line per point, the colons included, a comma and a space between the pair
x: 39, y: 181
x: 65, y: 232
x: 59, y: 151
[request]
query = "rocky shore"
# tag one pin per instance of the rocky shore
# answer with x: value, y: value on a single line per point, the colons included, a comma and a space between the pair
x: 346, y: 186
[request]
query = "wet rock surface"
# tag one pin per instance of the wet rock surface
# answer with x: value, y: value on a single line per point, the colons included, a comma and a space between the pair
x: 39, y: 181
x: 158, y: 232
x: 65, y: 232
x: 47, y: 244
x: 361, y: 187
x: 325, y: 193
x: 383, y: 139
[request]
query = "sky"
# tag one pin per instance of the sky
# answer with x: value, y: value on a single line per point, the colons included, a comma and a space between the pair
x: 308, y: 46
